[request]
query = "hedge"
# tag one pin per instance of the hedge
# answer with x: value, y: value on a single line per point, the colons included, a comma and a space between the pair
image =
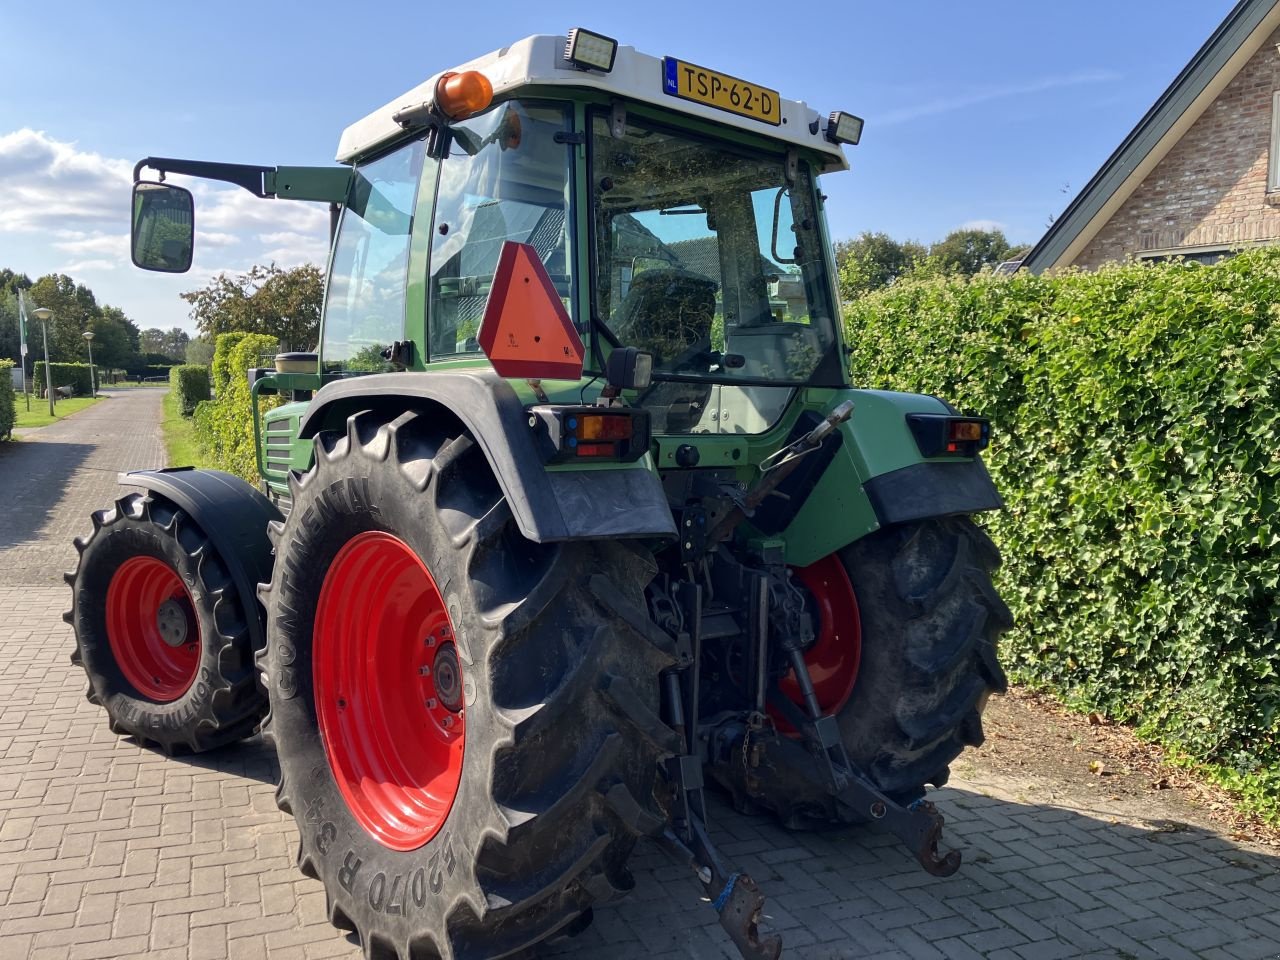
x: 8, y: 412
x: 191, y: 383
x: 1137, y: 444
x: 224, y: 426
x: 74, y: 375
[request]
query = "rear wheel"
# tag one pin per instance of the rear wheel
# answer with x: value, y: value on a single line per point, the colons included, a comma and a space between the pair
x: 908, y: 626
x: 160, y: 629
x: 467, y: 739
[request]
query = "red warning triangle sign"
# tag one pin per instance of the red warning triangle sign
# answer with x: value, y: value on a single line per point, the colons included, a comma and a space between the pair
x: 526, y: 331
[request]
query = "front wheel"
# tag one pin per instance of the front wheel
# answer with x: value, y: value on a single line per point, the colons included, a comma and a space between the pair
x: 161, y: 631
x: 468, y: 741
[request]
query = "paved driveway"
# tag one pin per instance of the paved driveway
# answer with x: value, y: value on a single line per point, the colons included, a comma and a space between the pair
x: 109, y: 850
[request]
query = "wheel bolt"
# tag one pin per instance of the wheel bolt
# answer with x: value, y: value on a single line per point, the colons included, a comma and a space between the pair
x: 448, y: 721
x: 430, y: 641
x: 424, y: 670
x: 431, y: 704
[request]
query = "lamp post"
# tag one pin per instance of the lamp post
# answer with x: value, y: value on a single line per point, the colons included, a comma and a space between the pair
x: 43, y: 314
x: 93, y: 381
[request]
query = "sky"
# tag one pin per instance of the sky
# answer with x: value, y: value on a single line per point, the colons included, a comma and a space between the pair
x: 986, y: 114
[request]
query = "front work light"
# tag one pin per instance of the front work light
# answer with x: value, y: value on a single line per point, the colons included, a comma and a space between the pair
x: 590, y: 51
x: 844, y: 128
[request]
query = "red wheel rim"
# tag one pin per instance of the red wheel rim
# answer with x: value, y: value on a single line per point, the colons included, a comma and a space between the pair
x: 833, y: 659
x: 393, y: 736
x: 152, y: 629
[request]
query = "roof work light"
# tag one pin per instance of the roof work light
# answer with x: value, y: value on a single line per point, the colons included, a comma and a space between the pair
x: 590, y: 51
x: 844, y: 128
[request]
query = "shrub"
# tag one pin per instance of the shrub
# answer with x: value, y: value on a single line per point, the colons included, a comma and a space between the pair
x: 74, y: 375
x: 191, y: 383
x: 8, y: 413
x: 1136, y: 412
x: 224, y: 425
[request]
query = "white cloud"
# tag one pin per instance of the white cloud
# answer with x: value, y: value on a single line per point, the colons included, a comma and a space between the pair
x: 77, y: 201
x: 87, y: 266
x: 50, y: 185
x: 948, y: 104
x: 987, y: 225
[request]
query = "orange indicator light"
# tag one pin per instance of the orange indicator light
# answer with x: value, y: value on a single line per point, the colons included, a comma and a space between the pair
x: 605, y: 428
x: 461, y: 95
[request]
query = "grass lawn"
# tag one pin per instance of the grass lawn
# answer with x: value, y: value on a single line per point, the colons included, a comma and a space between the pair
x: 39, y: 415
x: 180, y: 436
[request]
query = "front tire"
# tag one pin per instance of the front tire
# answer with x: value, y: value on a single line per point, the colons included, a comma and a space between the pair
x: 475, y: 815
x: 161, y: 631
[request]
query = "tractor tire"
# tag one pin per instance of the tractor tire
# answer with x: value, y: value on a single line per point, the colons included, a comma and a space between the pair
x: 468, y: 740
x: 916, y: 675
x: 161, y: 631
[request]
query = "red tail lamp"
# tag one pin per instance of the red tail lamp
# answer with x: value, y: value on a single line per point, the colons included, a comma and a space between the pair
x: 940, y: 435
x: 462, y: 95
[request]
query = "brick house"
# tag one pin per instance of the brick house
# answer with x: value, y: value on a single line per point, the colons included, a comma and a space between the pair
x: 1199, y: 176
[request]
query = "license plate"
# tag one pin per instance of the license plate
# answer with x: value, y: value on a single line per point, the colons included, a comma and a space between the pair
x: 688, y: 81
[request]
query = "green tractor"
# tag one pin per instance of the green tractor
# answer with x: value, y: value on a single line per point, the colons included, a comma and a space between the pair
x: 572, y: 515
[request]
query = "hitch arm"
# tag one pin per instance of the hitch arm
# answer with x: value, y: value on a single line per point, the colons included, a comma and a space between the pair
x: 734, y: 896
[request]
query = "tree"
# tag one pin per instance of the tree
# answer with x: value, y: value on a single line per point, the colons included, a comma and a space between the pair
x: 284, y: 304
x: 968, y: 251
x: 115, y: 339
x: 74, y: 310
x: 171, y: 343
x: 873, y: 260
x: 200, y: 350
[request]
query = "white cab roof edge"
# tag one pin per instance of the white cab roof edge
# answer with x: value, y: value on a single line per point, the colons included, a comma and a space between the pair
x: 539, y: 60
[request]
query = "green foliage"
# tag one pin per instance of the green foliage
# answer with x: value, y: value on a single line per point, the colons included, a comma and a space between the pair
x: 873, y: 260
x: 171, y: 343
x: 224, y: 426
x: 74, y: 375
x: 282, y: 304
x: 968, y: 251
x: 7, y: 410
x: 1137, y: 445
x: 191, y: 384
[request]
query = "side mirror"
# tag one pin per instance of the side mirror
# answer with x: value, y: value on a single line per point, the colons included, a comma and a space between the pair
x: 163, y: 228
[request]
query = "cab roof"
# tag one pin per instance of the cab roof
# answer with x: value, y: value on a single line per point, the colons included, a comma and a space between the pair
x: 539, y: 61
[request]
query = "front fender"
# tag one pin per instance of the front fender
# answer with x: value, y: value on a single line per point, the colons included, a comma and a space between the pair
x: 233, y: 515
x: 625, y: 501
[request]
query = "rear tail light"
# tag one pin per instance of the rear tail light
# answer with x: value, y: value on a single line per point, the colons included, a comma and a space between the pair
x: 940, y: 435
x: 591, y: 433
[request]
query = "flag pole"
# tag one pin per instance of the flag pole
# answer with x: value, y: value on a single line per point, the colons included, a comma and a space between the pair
x: 22, y: 345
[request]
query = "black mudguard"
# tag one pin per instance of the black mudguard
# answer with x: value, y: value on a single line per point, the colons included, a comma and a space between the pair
x: 233, y: 515
x: 548, y: 506
x: 932, y: 489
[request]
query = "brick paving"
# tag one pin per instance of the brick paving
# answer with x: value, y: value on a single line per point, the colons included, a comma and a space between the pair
x: 109, y: 850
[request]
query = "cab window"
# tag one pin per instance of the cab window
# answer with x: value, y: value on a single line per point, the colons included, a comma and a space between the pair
x: 506, y: 178
x: 365, y: 299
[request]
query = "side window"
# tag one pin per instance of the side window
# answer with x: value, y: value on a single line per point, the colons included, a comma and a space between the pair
x: 506, y: 178
x: 365, y: 300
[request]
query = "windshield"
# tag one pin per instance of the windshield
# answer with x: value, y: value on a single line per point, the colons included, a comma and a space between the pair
x: 709, y: 258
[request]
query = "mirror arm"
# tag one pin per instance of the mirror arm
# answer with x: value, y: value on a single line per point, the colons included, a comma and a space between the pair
x: 249, y: 176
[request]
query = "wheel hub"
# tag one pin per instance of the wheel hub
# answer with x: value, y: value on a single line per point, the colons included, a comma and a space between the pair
x: 173, y: 622
x: 448, y: 678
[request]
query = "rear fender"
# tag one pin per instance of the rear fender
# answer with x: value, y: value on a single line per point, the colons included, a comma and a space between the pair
x: 234, y: 517
x: 878, y: 478
x: 549, y: 506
